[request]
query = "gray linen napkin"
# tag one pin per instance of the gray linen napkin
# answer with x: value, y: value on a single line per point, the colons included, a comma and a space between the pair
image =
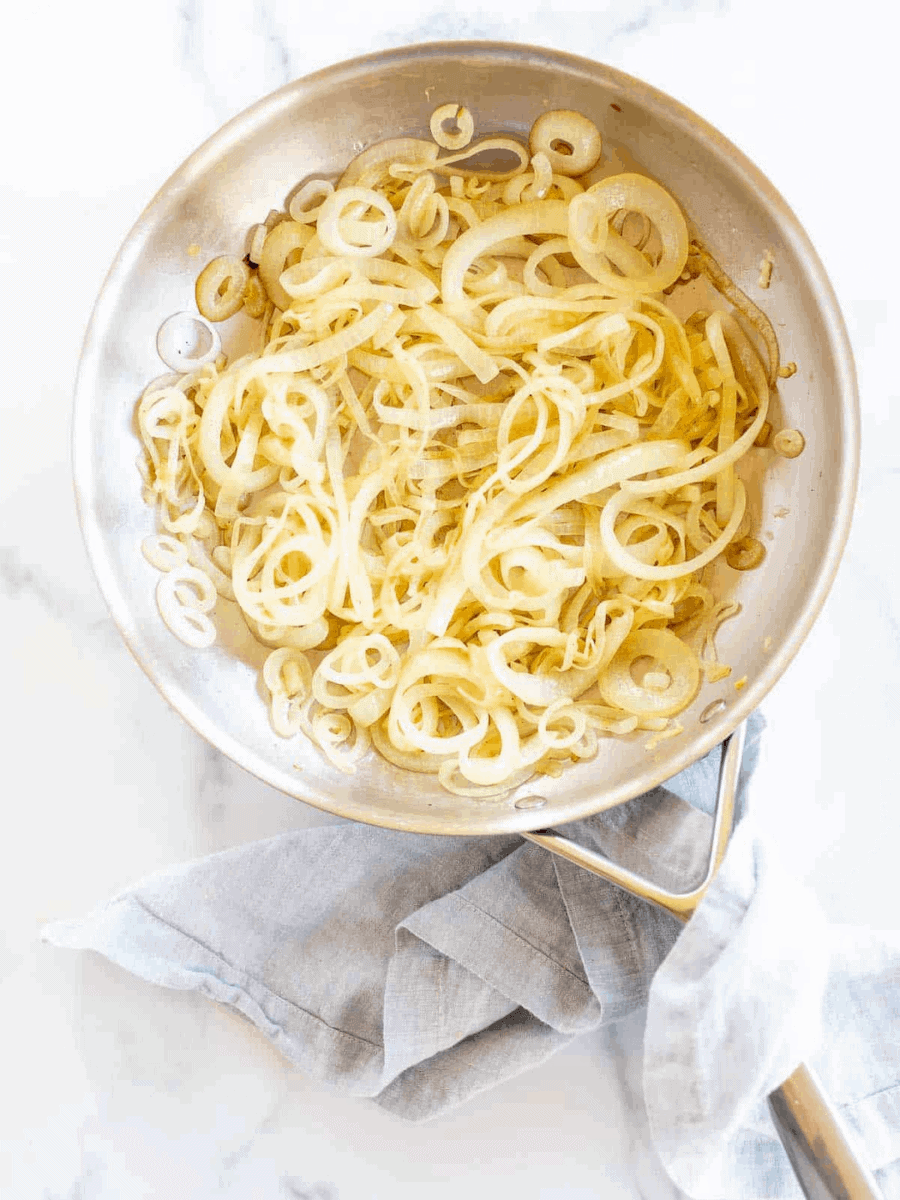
x: 419, y: 971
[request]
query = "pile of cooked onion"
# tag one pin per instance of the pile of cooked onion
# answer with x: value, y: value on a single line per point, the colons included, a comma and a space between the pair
x: 467, y: 489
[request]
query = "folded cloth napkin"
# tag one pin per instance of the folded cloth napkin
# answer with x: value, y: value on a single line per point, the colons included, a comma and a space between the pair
x: 418, y: 971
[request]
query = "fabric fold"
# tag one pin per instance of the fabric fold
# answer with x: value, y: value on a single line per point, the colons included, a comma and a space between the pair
x: 733, y: 1009
x: 419, y: 971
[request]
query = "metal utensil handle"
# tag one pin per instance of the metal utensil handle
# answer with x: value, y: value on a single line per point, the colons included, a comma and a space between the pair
x: 815, y: 1137
x: 818, y: 1142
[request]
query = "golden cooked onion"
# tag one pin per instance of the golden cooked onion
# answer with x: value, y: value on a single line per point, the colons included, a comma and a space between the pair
x: 789, y: 443
x: 569, y: 140
x: 220, y: 288
x: 466, y: 491
x: 280, y: 246
x: 458, y: 116
x: 672, y: 660
x: 745, y: 554
x: 606, y: 255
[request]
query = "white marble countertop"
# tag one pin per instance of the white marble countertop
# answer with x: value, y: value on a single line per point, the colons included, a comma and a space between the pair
x: 115, y: 1090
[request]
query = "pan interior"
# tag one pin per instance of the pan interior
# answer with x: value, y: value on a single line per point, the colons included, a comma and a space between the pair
x: 801, y: 507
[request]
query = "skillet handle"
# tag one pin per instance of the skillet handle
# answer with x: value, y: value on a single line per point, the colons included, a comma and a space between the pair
x: 812, y: 1132
x: 818, y: 1142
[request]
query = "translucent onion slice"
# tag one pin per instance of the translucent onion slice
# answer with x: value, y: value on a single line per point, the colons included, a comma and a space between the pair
x: 590, y: 235
x: 473, y: 720
x: 306, y: 204
x: 710, y: 466
x: 281, y: 242
x: 185, y: 596
x: 630, y: 564
x: 164, y: 551
x: 254, y: 297
x: 490, y: 769
x: 410, y: 760
x: 540, y: 216
x: 479, y: 362
x: 461, y: 117
x: 448, y: 773
x: 335, y: 231
x: 323, y: 351
x: 619, y: 689
x: 701, y: 261
x: 570, y: 141
x: 185, y: 342
x: 727, y: 415
x: 319, y: 276
x: 376, y: 159
x: 288, y: 677
x: 538, y: 690
x: 220, y: 288
x: 789, y: 443
x: 543, y: 176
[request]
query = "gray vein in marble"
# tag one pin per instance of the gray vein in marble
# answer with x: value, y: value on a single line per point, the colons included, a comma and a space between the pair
x: 273, y: 38
x: 216, y: 770
x: 264, y: 1125
x: 19, y: 578
x: 438, y: 25
x: 193, y: 58
x: 594, y: 29
x: 298, y: 1189
x: 187, y: 28
x: 214, y: 788
x: 282, y: 59
x: 651, y: 12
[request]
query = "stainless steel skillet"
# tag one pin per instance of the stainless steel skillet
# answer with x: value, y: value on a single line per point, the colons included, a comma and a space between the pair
x: 801, y: 508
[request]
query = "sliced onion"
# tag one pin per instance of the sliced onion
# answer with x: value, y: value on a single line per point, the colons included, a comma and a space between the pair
x: 324, y: 351
x: 493, y: 769
x: 617, y: 685
x: 577, y: 133
x: 185, y: 596
x: 474, y: 510
x: 332, y: 227
x: 590, y: 235
x: 789, y: 443
x: 255, y: 299
x: 220, y: 288
x: 306, y: 204
x: 540, y: 216
x: 538, y: 690
x: 376, y: 159
x: 316, y: 276
x: 479, y: 362
x: 630, y: 564
x: 280, y: 244
x: 441, y: 116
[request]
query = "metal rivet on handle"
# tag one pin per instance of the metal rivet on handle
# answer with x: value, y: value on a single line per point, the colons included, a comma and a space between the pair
x: 712, y: 710
x: 531, y: 802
